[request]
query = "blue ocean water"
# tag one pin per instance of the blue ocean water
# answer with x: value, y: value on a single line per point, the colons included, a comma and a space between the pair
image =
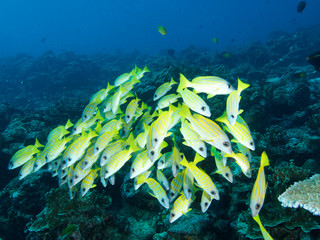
x: 88, y: 27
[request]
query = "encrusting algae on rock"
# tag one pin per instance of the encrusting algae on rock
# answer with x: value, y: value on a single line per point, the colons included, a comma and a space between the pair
x: 113, y: 131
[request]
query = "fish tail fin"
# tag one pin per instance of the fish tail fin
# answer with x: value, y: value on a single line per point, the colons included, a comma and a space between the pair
x: 184, y: 83
x: 109, y: 87
x: 184, y: 162
x: 38, y: 144
x: 242, y: 85
x: 68, y: 124
x: 98, y: 116
x: 198, y: 158
x: 257, y: 219
x: 172, y: 82
x: 145, y: 69
x: 185, y: 111
x: 141, y: 179
x: 92, y: 134
x: 222, y: 118
x: 132, y: 143
x: 133, y: 72
x: 264, y: 159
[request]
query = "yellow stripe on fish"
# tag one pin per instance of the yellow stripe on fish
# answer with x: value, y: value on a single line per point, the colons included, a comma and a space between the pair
x: 187, y: 183
x: 84, y: 126
x: 79, y: 172
x: 88, y: 181
x: 239, y: 131
x: 165, y: 161
x: 131, y: 109
x: 192, y: 138
x: 206, y: 200
x: 208, y: 130
x: 158, y: 192
x: 101, y: 94
x: 193, y: 101
x: 162, y: 179
x: 124, y: 78
x: 233, y: 101
x: 211, y: 85
x: 163, y: 89
x: 56, y: 148
x: 180, y: 206
x: 27, y: 168
x: 59, y: 131
x: 140, y: 164
x: 202, y: 178
x: 259, y: 188
x: 242, y: 162
x: 89, y: 158
x: 76, y: 149
x: 175, y: 186
x: 103, y: 140
x: 166, y: 100
x: 24, y: 155
x: 40, y: 160
x: 89, y: 111
x: 146, y: 174
x: 116, y: 99
x: 222, y: 169
x: 112, y: 149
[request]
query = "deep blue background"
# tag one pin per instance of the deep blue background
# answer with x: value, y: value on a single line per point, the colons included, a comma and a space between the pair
x: 83, y: 26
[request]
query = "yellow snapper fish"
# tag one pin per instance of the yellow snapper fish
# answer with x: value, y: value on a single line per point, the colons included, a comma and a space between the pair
x: 89, y: 111
x: 140, y: 72
x: 244, y: 150
x: 59, y: 132
x: 240, y: 131
x: 88, y: 181
x: 166, y: 100
x: 40, y: 160
x: 116, y: 99
x: 162, y: 179
x: 131, y: 109
x: 160, y: 128
x: 77, y: 148
x: 84, y: 126
x: 99, y: 96
x: 264, y: 232
x: 165, y: 161
x: 24, y: 155
x: 111, y: 125
x: 129, y: 86
x: 56, y: 148
x: 124, y: 78
x: 162, y: 30
x: 242, y: 162
x: 233, y: 101
x: 112, y: 149
x: 117, y: 160
x: 187, y: 183
x: 145, y: 119
x: 211, y: 85
x: 79, y: 172
x: 163, y: 89
x: 69, y: 176
x: 175, y: 117
x: 222, y: 169
x: 54, y: 166
x: 175, y: 158
x: 192, y: 139
x: 89, y: 158
x: 180, y: 206
x: 202, y: 178
x: 146, y: 174
x: 103, y: 140
x: 157, y: 191
x: 194, y: 102
x: 27, y: 168
x: 259, y: 188
x: 140, y: 164
x: 141, y: 139
x: 175, y: 186
x: 208, y: 130
x: 206, y: 200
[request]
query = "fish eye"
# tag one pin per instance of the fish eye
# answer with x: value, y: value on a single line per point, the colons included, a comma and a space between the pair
x: 201, y: 149
x: 161, y: 162
x: 71, y: 181
x: 229, y: 86
x: 69, y: 159
x: 251, y: 143
x: 247, y: 155
x: 83, y: 189
x: 226, y: 144
x: 104, y: 157
x: 11, y: 164
x: 227, y: 174
x: 189, y: 190
x: 177, y: 167
x: 55, y: 163
x: 172, y: 214
x: 132, y: 169
x: 85, y: 163
x: 206, y: 204
x: 155, y: 95
x: 213, y: 192
x: 232, y: 116
x: 257, y: 206
x: 128, y: 116
x: 85, y: 116
x: 152, y: 153
x: 20, y: 175
x: 171, y: 194
x: 97, y: 148
x: 75, y: 176
x: 203, y: 108
x: 36, y: 165
x: 162, y: 200
x: 106, y: 171
x: 75, y: 129
x: 155, y: 140
x: 46, y: 157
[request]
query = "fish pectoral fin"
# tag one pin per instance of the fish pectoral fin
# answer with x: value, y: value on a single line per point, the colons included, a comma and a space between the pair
x: 93, y: 186
x: 185, y: 213
x: 152, y: 194
x: 240, y: 111
x: 210, y: 96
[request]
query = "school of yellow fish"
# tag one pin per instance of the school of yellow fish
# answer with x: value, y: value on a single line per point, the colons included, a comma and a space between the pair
x: 114, y: 131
